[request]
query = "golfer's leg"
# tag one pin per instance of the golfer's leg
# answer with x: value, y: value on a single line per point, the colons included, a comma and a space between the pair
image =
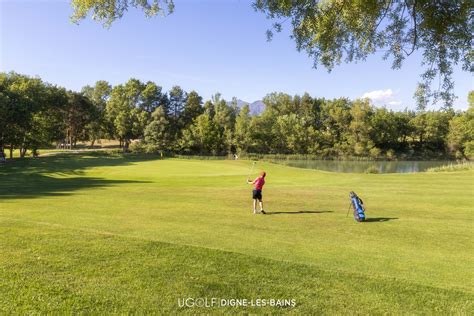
x: 255, y: 205
x: 261, y: 205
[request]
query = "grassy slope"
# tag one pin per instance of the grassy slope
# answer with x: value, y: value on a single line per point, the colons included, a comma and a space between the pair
x: 112, y: 233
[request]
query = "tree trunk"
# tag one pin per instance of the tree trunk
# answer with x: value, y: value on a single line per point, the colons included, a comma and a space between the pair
x: 22, y: 152
x: 126, y: 143
x: 11, y: 151
x: 92, y: 143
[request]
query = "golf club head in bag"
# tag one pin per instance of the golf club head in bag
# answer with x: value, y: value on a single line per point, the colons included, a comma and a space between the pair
x: 357, y: 206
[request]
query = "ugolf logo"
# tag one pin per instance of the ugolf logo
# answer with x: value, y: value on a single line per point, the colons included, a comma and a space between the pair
x: 190, y: 302
x: 197, y: 302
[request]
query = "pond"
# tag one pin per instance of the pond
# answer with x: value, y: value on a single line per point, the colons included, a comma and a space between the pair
x: 365, y: 166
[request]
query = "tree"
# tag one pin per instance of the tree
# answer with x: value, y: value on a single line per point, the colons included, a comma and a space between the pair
x: 98, y: 95
x: 360, y: 129
x: 334, y: 31
x: 224, y: 121
x: 192, y: 109
x: 335, y: 121
x: 261, y: 128
x: 157, y: 132
x: 430, y: 130
x: 177, y: 101
x: 461, y: 132
x: 389, y: 130
x: 78, y: 113
x: 125, y: 111
x: 279, y: 104
x: 201, y: 137
x: 47, y: 124
x: 153, y: 97
x: 242, y: 129
x: 108, y: 11
x: 290, y: 130
x: 22, y: 98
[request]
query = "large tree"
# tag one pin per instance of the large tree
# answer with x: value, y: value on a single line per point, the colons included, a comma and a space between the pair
x: 242, y: 130
x: 98, y: 94
x: 23, y: 101
x: 125, y: 111
x: 192, y: 109
x: 157, y: 132
x: 79, y: 112
x: 335, y: 31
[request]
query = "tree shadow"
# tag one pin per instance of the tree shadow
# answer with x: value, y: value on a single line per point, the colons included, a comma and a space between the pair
x: 299, y: 212
x: 379, y: 219
x: 45, y: 176
x: 71, y: 163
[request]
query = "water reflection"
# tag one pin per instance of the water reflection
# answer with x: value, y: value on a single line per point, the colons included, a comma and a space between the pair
x: 365, y: 166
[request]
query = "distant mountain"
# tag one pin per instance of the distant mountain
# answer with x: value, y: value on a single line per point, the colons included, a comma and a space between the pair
x: 256, y: 107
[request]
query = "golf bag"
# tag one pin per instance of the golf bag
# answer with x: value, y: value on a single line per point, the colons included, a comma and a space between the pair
x: 357, y: 206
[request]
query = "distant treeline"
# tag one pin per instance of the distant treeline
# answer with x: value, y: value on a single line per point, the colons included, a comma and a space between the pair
x: 143, y: 117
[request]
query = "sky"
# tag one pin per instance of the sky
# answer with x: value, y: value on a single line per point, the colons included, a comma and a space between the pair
x: 206, y: 45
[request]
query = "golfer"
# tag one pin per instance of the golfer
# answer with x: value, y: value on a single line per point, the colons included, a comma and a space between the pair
x: 257, y: 191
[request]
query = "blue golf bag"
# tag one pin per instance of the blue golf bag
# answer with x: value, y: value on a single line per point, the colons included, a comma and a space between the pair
x: 357, y: 206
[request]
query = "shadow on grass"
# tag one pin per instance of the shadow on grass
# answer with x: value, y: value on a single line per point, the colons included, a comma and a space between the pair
x: 299, y: 212
x: 70, y: 163
x: 379, y: 219
x: 59, y: 175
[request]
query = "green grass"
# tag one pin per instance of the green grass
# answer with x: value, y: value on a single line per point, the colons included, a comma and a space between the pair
x: 106, y: 233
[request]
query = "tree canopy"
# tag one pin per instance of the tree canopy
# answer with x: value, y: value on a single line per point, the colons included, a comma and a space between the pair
x: 142, y: 117
x: 335, y: 31
x: 107, y: 11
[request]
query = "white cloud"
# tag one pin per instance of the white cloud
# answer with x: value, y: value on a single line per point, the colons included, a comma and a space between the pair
x: 394, y: 102
x: 382, y: 97
x: 378, y: 95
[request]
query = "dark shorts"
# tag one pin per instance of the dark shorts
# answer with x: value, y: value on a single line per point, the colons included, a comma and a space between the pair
x: 257, y: 194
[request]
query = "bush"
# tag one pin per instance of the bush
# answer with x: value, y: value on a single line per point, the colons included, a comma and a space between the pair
x: 372, y: 169
x: 137, y: 147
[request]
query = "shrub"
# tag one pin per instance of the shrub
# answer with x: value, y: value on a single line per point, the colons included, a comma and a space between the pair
x: 137, y: 147
x: 372, y: 169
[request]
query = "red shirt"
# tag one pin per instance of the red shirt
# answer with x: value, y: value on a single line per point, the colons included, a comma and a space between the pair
x: 259, y: 182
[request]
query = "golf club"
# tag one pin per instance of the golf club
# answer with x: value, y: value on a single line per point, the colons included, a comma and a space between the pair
x: 251, y: 170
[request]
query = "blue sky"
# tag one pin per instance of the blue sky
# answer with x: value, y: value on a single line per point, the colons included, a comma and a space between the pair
x: 206, y: 45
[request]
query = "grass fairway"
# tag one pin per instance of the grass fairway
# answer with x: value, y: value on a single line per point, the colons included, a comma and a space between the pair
x: 105, y: 233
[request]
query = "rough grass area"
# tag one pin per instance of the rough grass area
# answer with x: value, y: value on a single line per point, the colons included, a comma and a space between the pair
x: 463, y: 166
x: 107, y: 233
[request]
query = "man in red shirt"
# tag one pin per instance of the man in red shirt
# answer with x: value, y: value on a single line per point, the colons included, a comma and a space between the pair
x: 257, y: 192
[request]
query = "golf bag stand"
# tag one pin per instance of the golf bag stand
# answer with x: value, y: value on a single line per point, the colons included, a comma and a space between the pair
x: 357, y: 206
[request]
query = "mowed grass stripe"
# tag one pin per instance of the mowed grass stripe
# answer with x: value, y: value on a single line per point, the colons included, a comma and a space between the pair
x: 58, y: 269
